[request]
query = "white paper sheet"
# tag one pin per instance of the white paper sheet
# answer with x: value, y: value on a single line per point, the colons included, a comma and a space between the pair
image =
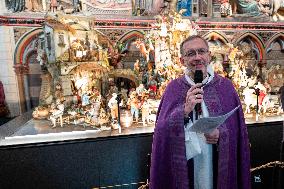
x: 208, y: 124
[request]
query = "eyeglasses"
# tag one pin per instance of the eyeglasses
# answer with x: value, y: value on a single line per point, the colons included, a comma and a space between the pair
x: 192, y: 53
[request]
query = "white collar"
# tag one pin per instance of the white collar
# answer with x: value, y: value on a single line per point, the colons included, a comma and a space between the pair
x: 205, y: 81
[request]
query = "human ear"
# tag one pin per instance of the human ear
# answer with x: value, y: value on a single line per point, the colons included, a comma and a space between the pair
x: 181, y: 60
x: 210, y: 56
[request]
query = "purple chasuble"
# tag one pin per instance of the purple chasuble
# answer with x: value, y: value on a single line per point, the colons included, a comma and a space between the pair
x: 169, y: 165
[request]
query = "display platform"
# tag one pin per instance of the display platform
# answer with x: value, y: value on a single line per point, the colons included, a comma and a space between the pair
x: 62, y: 157
x: 23, y: 131
x: 26, y: 130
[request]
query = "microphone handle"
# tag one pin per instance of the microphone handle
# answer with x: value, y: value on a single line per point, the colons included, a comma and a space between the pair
x: 198, y: 108
x: 198, y: 78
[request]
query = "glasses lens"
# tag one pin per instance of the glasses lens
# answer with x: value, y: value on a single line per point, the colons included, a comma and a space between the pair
x: 193, y: 53
x: 202, y: 51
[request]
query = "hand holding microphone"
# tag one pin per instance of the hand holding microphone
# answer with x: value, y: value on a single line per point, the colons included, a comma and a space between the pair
x: 194, y: 95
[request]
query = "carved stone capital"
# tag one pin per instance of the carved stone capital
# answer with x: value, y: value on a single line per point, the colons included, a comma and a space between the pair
x: 21, y: 69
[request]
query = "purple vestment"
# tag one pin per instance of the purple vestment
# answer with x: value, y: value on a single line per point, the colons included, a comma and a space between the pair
x: 169, y: 165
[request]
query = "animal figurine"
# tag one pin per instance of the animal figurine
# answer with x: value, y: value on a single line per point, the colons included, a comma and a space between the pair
x: 144, y: 49
x: 40, y: 113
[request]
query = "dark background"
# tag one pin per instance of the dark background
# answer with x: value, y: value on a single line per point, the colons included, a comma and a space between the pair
x: 118, y: 160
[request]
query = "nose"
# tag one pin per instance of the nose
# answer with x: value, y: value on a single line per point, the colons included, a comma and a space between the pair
x: 197, y: 56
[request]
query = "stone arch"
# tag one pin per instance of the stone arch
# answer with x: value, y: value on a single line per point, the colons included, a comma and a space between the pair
x: 23, y: 42
x: 274, y: 38
x: 133, y: 54
x: 215, y: 41
x: 28, y: 76
x: 216, y: 36
x: 124, y: 73
x: 129, y: 37
x: 254, y: 53
x: 33, y: 77
x: 256, y: 40
x: 134, y: 34
x: 274, y: 60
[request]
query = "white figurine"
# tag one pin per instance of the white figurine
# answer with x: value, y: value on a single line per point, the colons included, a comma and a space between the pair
x: 140, y: 89
x: 57, y: 113
x: 94, y: 113
x: 145, y: 108
x: 112, y: 104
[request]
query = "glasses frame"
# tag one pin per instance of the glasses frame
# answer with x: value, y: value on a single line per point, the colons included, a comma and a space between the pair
x: 194, y: 52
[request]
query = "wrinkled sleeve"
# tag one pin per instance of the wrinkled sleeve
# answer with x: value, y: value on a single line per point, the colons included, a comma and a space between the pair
x: 169, y: 126
x: 243, y: 150
x: 233, y: 154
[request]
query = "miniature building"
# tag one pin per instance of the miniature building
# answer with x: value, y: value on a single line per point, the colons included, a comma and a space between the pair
x: 88, y: 69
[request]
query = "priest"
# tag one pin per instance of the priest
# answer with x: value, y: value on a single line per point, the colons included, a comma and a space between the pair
x: 182, y: 159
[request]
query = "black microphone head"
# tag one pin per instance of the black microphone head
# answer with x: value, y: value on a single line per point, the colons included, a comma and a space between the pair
x: 198, y: 76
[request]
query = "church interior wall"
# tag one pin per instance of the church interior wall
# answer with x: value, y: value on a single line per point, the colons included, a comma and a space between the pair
x: 257, y: 36
x: 25, y: 81
x: 224, y: 36
x: 7, y: 74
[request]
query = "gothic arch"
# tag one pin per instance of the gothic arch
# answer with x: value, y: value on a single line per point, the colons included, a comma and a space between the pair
x: 216, y: 36
x: 274, y: 38
x: 215, y: 40
x: 256, y: 40
x: 275, y: 50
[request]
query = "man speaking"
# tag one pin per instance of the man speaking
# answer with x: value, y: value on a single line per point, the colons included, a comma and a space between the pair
x: 182, y: 159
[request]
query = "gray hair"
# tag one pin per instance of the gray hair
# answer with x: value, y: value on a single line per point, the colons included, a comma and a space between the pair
x: 190, y: 38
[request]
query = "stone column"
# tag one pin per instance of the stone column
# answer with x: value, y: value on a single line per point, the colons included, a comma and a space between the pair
x: 27, y: 93
x: 22, y: 70
x: 209, y: 8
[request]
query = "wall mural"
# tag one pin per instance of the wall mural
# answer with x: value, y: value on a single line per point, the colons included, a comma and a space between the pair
x: 15, y: 5
x: 264, y: 9
x: 111, y: 4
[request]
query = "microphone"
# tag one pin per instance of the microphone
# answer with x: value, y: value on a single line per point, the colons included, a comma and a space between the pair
x: 198, y: 78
